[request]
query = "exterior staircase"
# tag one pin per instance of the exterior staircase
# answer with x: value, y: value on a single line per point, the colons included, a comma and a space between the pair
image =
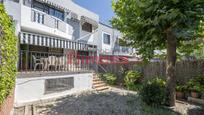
x: 98, y: 84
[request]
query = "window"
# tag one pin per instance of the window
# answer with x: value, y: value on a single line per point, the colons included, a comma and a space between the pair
x: 56, y: 13
x: 49, y: 10
x: 87, y: 27
x: 17, y: 1
x: 58, y: 85
x: 106, y: 38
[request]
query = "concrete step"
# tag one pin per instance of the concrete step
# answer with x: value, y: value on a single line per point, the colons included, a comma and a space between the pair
x: 98, y: 82
x: 99, y: 85
x: 102, y: 88
x: 96, y: 79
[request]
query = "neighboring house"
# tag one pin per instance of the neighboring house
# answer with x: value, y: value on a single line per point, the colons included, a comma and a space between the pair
x: 108, y: 42
x: 55, y: 42
x: 109, y: 49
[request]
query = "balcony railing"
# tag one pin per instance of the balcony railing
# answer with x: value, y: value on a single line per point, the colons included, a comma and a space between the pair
x: 47, y: 20
x: 31, y: 61
x: 122, y: 50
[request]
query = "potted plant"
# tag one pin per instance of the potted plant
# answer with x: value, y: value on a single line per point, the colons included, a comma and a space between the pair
x: 202, y: 97
x: 202, y: 93
x: 195, y: 88
x: 180, y: 91
x: 195, y: 91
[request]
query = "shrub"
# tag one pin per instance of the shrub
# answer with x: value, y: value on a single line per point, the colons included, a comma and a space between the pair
x: 132, y: 80
x: 109, y: 78
x: 153, y: 92
x: 8, y: 55
x: 195, y: 85
x: 181, y: 88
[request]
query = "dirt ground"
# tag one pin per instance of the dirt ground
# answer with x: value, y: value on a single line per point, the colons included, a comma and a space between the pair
x: 112, y: 102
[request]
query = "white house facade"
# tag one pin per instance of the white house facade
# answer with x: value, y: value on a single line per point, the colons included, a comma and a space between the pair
x: 56, y: 50
x: 58, y: 42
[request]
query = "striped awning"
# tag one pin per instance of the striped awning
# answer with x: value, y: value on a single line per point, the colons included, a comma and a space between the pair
x: 53, y: 42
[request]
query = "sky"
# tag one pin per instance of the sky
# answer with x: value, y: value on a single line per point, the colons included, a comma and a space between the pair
x: 101, y: 7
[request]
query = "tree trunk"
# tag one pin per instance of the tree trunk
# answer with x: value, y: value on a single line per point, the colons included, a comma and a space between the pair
x: 170, y: 67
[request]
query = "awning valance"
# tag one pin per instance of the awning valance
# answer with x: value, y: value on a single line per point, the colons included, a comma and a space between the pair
x: 90, y: 21
x: 53, y: 42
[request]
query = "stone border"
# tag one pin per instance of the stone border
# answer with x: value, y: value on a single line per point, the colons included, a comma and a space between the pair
x: 196, y: 100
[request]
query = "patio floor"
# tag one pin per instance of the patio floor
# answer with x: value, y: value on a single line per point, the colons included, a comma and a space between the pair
x: 112, y: 102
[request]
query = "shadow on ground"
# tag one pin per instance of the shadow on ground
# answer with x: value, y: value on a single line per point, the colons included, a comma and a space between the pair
x: 196, y: 110
x: 106, y: 103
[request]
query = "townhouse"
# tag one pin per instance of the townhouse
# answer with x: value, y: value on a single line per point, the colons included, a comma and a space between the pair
x: 58, y: 42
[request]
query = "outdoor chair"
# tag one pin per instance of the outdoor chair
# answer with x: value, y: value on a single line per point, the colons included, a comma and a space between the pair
x: 52, y: 62
x: 61, y: 62
x: 37, y: 62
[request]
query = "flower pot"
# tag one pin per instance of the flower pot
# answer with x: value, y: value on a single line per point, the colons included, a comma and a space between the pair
x: 179, y: 95
x: 194, y: 94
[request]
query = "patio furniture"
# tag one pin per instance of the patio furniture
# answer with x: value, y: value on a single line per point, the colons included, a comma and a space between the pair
x: 51, y: 62
x: 61, y: 62
x: 37, y: 62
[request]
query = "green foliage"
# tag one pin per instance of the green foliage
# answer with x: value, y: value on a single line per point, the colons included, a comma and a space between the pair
x: 132, y: 80
x: 154, y: 110
x: 110, y: 78
x: 145, y: 22
x: 196, y: 84
x: 8, y: 55
x: 181, y: 88
x: 154, y: 92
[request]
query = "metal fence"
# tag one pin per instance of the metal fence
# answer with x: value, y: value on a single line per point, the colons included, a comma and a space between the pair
x: 43, y: 61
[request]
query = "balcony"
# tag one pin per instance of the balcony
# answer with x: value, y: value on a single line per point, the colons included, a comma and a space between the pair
x: 34, y: 63
x: 47, y: 20
x: 36, y: 21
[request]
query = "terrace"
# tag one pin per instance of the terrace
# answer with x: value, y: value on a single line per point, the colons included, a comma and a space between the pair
x: 40, y: 54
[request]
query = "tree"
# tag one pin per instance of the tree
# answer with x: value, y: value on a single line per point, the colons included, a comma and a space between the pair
x: 159, y: 24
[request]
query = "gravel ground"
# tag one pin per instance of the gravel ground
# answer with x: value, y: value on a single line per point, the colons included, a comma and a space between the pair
x: 112, y: 102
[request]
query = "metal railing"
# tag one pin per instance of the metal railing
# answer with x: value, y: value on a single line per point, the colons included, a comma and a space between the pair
x: 47, y: 20
x: 123, y: 50
x: 31, y: 61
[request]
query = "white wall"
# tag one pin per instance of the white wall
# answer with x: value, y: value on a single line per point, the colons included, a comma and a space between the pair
x: 14, y: 9
x: 107, y: 48
x: 104, y: 48
x: 28, y: 25
x: 33, y: 89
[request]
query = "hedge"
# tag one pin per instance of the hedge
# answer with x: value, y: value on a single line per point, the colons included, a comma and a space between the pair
x: 8, y: 55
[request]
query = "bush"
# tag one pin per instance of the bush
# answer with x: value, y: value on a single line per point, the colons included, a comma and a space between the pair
x: 153, y: 92
x: 132, y: 80
x: 181, y: 88
x: 8, y: 55
x: 109, y: 78
x: 194, y: 85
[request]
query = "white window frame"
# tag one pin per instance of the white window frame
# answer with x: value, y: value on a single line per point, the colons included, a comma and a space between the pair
x: 103, y: 37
